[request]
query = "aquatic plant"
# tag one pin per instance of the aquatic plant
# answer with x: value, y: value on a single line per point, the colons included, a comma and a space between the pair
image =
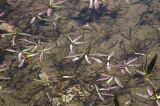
x: 146, y: 72
x: 124, y: 67
x: 109, y: 79
x: 87, y: 56
x: 152, y: 93
x: 73, y: 42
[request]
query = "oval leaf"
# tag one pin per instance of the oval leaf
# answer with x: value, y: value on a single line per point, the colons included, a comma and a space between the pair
x: 151, y: 65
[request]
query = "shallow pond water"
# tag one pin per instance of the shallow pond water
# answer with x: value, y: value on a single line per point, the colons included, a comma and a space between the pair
x: 78, y: 56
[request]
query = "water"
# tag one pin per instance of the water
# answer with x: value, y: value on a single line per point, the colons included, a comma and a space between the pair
x: 124, y: 29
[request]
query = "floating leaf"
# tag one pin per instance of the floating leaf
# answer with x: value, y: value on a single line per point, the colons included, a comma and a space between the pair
x: 151, y: 65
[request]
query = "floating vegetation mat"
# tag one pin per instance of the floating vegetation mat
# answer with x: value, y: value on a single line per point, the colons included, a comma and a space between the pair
x: 79, y: 53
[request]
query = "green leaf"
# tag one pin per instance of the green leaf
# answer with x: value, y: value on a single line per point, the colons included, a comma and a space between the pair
x: 116, y: 101
x: 151, y: 65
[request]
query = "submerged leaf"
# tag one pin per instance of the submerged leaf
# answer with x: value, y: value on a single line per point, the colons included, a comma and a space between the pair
x: 97, y: 89
x: 118, y: 82
x: 151, y: 65
x: 116, y: 101
x: 75, y: 59
x: 21, y: 63
x: 142, y: 95
x: 87, y: 59
x: 131, y: 61
x: 97, y: 60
